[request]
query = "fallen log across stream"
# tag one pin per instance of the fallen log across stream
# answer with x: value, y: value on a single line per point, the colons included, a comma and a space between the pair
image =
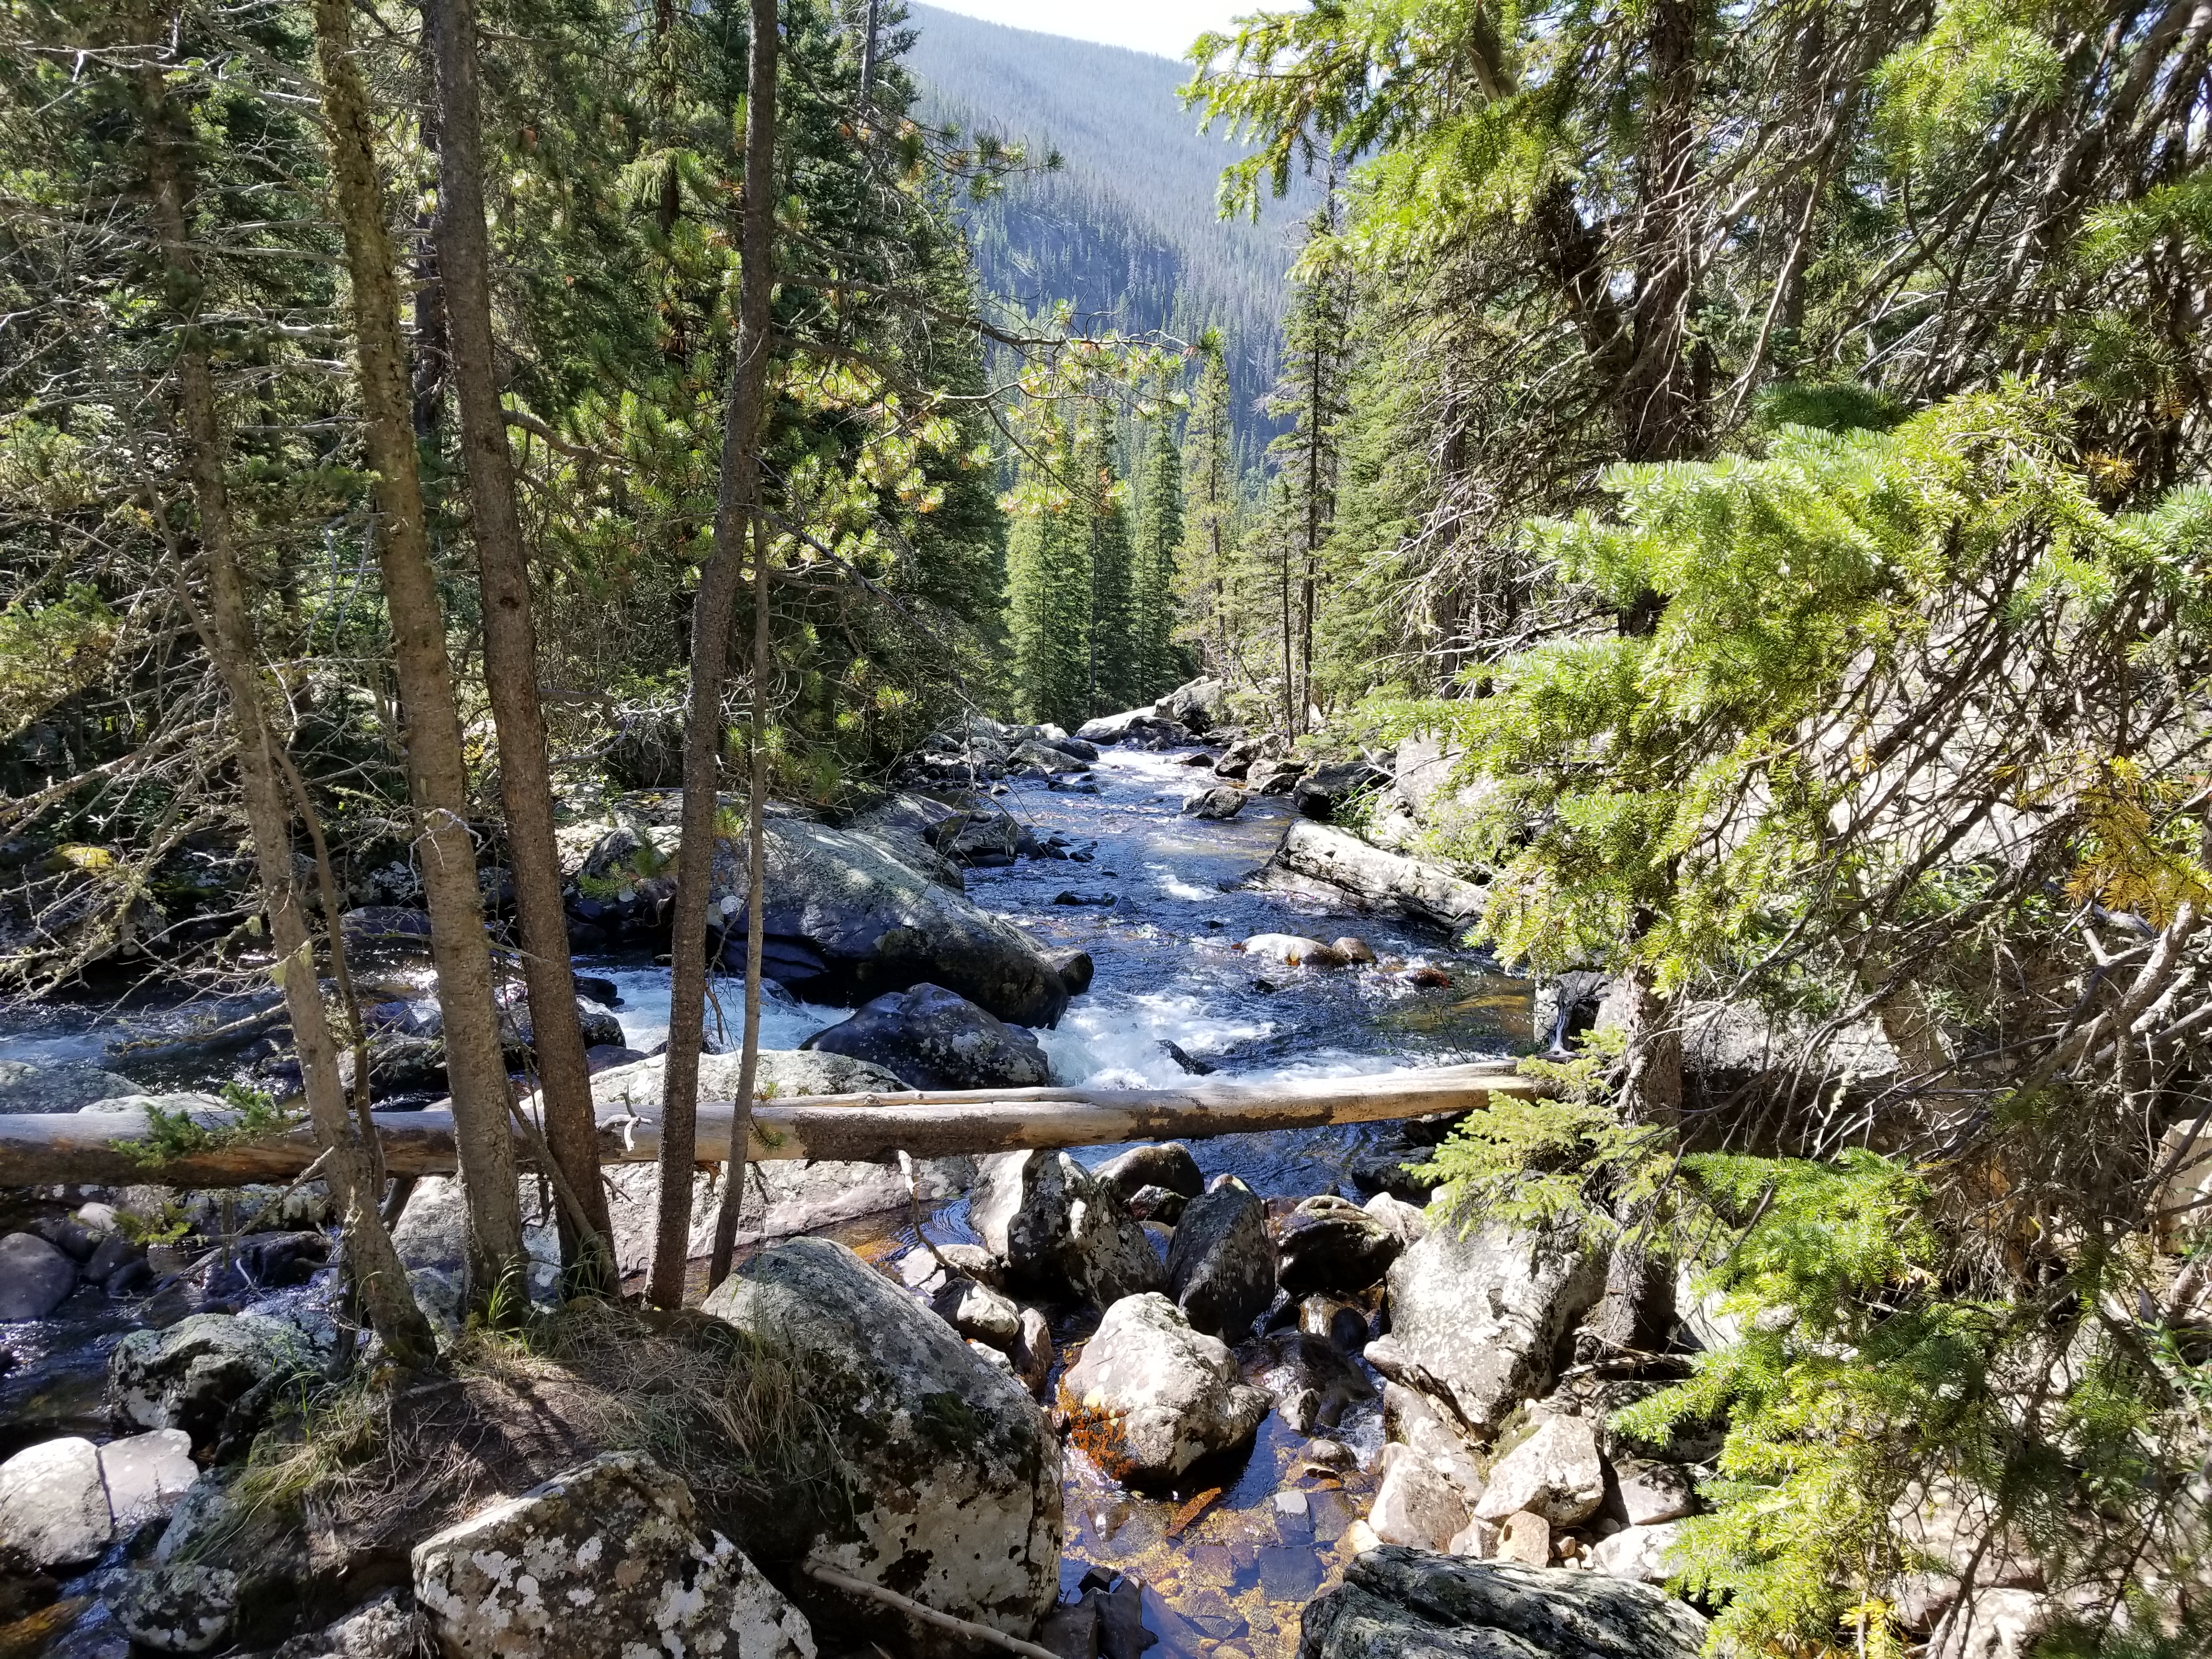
x: 100, y: 1149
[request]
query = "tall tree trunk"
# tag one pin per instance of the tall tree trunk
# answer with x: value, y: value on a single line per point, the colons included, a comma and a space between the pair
x: 511, y: 651
x: 734, y: 503
x: 437, y: 773
x: 733, y: 1172
x: 351, y: 1168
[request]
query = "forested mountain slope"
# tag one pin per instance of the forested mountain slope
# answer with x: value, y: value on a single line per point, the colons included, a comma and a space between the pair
x: 1126, y: 228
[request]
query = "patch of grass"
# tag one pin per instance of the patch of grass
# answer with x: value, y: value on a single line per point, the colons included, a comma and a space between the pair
x: 379, y: 1459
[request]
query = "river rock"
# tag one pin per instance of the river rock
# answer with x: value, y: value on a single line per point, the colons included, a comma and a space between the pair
x: 190, y: 1376
x: 1326, y: 790
x: 930, y: 1038
x: 1114, y: 729
x: 1274, y: 777
x: 1221, y: 1266
x: 954, y: 1472
x: 1415, y: 1504
x: 1042, y: 760
x: 386, y: 930
x: 978, y: 1312
x: 1330, y: 1243
x: 1219, y: 803
x: 1474, y: 1320
x: 1558, y: 1473
x: 1646, y: 1554
x: 1389, y: 883
x: 65, y: 1086
x: 1292, y: 949
x: 1150, y: 1396
x: 1651, y: 1492
x: 1032, y: 1353
x: 609, y: 1557
x: 1201, y: 704
x: 35, y: 1277
x: 1058, y: 1230
x: 1162, y: 1164
x: 1396, y: 1602
x: 145, y: 1474
x: 1075, y: 969
x: 385, y: 1628
x: 53, y: 1505
x: 1524, y: 1537
x: 1408, y: 1221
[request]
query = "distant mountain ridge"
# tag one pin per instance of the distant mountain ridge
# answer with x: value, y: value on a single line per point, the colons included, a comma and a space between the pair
x: 1127, y: 229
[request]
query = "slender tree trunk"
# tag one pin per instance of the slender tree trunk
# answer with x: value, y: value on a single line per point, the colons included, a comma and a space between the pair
x: 351, y: 1168
x: 733, y: 1172
x: 437, y: 773
x: 710, y: 648
x: 511, y: 650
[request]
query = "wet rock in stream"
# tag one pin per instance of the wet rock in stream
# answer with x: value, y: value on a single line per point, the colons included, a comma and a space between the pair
x: 1150, y: 1396
x: 35, y: 1277
x: 1220, y: 1265
x: 1060, y: 1231
x: 929, y: 1037
x: 1157, y: 1163
x: 1328, y: 1243
x: 69, y: 1086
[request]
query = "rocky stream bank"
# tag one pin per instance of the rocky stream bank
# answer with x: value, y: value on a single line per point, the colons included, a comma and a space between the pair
x: 1244, y: 1397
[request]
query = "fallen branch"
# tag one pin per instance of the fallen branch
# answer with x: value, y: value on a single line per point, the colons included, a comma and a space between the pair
x: 914, y: 1610
x: 87, y: 1147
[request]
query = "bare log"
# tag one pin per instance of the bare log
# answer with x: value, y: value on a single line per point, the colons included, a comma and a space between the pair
x: 94, y: 1148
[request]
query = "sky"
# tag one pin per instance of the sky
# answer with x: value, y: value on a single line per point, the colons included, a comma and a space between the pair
x: 1163, y: 28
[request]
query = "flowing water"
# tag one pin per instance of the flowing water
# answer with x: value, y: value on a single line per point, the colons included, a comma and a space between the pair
x: 1230, y: 1557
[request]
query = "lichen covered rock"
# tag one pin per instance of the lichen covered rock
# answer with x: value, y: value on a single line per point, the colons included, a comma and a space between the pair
x: 952, y: 1472
x: 1395, y: 1603
x: 191, y: 1376
x: 1474, y: 1320
x: 608, y: 1559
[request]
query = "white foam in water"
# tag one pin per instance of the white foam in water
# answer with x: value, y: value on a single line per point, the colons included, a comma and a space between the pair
x: 1111, y: 1040
x: 785, y: 1021
x: 1175, y: 887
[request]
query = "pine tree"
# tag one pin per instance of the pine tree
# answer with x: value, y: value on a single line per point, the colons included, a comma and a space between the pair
x: 1110, y: 627
x: 1048, y: 587
x: 1311, y: 393
x: 1211, y: 500
x: 1159, y: 662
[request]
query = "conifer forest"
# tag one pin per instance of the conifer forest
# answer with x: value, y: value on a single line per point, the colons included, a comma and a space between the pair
x: 827, y: 832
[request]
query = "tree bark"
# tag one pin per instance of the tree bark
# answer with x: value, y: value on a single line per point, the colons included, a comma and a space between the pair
x: 437, y: 774
x: 734, y: 1170
x: 50, y: 1148
x: 352, y: 1165
x: 710, y: 647
x: 511, y: 647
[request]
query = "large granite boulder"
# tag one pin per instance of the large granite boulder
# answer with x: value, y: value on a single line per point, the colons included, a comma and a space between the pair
x: 64, y: 1086
x: 35, y: 1277
x: 1476, y: 1320
x: 201, y: 1370
x: 1058, y: 1232
x: 1321, y: 792
x: 609, y: 1557
x: 845, y: 918
x: 878, y: 924
x: 1150, y: 1396
x: 1201, y: 704
x: 145, y: 1474
x: 951, y: 1472
x: 1221, y: 1266
x: 1219, y: 802
x: 1400, y: 1603
x: 1114, y: 729
x: 932, y: 1038
x: 1165, y: 1163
